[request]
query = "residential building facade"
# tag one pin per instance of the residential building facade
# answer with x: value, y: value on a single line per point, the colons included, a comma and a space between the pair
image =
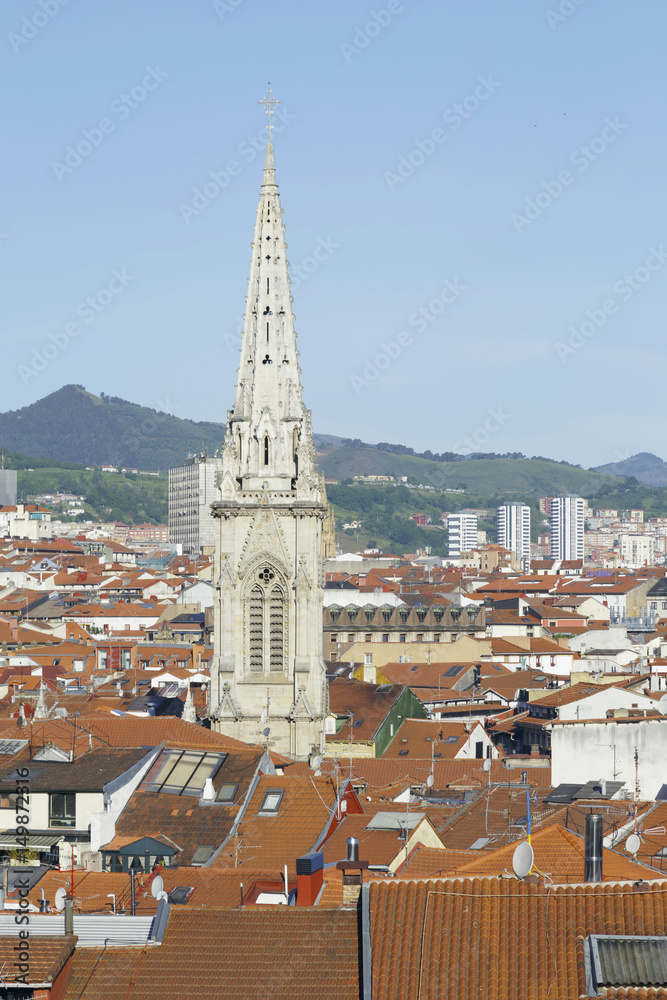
x: 567, y: 527
x: 461, y: 534
x: 513, y: 524
x: 191, y: 493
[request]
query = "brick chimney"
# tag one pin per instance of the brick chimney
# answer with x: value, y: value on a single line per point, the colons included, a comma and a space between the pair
x: 309, y: 878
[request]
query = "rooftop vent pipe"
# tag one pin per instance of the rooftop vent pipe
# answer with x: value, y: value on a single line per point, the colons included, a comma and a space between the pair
x: 593, y: 848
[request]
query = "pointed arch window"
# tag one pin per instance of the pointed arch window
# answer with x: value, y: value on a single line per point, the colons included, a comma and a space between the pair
x: 266, y: 624
x: 256, y: 630
x: 266, y: 449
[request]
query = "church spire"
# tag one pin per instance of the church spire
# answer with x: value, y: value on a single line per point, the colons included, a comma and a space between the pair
x: 269, y: 434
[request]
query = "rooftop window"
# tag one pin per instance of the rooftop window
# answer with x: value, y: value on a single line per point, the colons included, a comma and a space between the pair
x: 183, y: 772
x: 227, y: 793
x: 202, y: 854
x: 271, y: 801
x: 180, y: 894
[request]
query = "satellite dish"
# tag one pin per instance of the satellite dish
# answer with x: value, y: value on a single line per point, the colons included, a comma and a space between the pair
x: 157, y: 885
x: 266, y: 732
x: 522, y: 859
x: 487, y: 764
x: 59, y: 900
x: 429, y: 781
x: 633, y: 843
x: 316, y: 763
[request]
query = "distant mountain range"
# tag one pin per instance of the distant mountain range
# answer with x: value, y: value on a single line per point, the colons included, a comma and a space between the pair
x: 74, y: 426
x: 645, y: 467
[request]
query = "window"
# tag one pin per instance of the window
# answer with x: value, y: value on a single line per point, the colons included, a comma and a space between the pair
x: 226, y: 793
x: 368, y: 659
x: 266, y: 624
x: 266, y: 448
x: 62, y: 809
x: 183, y: 772
x: 271, y: 800
x: 420, y: 636
x: 370, y: 614
x: 202, y: 854
x: 404, y: 616
x: 452, y: 739
x: 385, y: 637
x: 403, y: 753
x: 334, y: 638
x: 368, y: 637
x: 401, y: 638
x: 180, y: 894
x: 350, y: 636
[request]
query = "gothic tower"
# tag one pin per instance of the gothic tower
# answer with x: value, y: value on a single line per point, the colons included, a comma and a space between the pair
x: 268, y: 670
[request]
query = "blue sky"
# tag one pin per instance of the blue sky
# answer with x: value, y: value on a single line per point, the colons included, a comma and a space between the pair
x: 514, y: 151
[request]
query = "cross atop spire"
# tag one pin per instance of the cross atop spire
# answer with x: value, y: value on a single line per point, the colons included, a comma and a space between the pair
x: 269, y: 103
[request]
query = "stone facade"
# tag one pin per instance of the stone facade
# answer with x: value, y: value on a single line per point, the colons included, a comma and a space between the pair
x: 268, y: 679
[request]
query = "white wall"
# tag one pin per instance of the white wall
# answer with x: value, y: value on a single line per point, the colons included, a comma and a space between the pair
x: 588, y: 751
x: 607, y: 698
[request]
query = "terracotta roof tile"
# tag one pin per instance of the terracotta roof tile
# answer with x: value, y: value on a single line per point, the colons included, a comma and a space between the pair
x: 499, y: 939
x: 285, y: 953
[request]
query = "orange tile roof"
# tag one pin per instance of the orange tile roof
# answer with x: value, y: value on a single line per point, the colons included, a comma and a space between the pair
x: 47, y: 958
x: 559, y: 853
x: 272, y: 841
x: 500, y: 939
x: 281, y: 952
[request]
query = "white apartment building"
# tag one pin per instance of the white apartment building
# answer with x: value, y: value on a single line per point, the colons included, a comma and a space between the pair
x: 567, y: 527
x: 461, y: 533
x: 513, y: 524
x: 637, y: 550
x: 192, y: 490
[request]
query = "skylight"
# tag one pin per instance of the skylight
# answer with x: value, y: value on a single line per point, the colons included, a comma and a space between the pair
x: 202, y: 854
x: 183, y: 772
x: 12, y: 746
x: 226, y: 793
x: 271, y: 801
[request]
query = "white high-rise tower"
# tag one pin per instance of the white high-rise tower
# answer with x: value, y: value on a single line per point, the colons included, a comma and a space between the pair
x: 513, y: 526
x: 567, y: 527
x: 268, y: 671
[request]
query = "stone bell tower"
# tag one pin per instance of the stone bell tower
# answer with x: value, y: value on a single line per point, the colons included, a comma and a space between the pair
x: 268, y: 670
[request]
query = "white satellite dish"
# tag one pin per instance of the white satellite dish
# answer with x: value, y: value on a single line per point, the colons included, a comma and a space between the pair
x: 157, y: 885
x: 59, y: 900
x: 487, y: 764
x: 633, y: 843
x: 429, y: 781
x: 522, y: 859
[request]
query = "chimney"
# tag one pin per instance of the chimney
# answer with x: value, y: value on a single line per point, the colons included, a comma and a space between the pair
x: 13, y: 629
x: 69, y: 915
x: 593, y: 848
x: 352, y: 869
x: 309, y: 878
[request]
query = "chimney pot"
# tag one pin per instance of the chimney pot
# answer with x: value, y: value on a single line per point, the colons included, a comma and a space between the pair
x: 352, y: 849
x: 593, y: 848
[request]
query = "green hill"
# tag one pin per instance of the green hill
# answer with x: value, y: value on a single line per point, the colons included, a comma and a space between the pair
x: 486, y: 476
x: 72, y: 425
